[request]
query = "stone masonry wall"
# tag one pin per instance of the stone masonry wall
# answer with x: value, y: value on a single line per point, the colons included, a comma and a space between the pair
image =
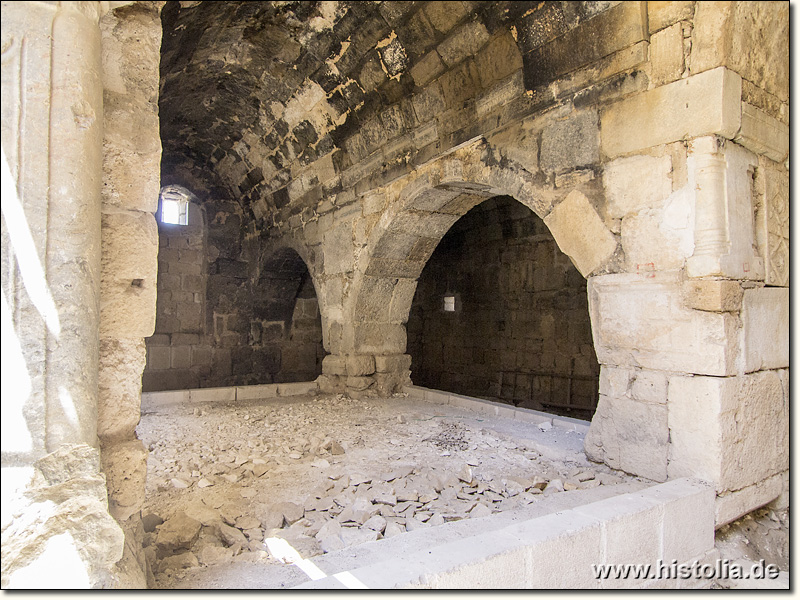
x: 217, y: 323
x: 521, y: 315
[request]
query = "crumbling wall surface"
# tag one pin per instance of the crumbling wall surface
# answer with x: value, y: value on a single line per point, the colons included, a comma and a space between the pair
x: 131, y: 38
x: 55, y: 499
x: 520, y: 330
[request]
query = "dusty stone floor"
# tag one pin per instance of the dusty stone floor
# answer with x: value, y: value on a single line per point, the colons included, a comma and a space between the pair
x: 326, y: 472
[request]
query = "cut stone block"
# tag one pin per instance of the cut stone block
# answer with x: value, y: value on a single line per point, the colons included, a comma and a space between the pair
x: 580, y: 233
x: 641, y: 321
x: 705, y: 104
x: 636, y: 182
x: 765, y: 316
x: 707, y: 440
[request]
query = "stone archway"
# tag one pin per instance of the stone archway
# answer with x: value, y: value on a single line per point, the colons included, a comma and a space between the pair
x: 419, y: 210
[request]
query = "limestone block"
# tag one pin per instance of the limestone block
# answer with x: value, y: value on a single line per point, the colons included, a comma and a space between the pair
x: 570, y: 143
x: 666, y: 55
x: 427, y: 68
x: 630, y: 435
x: 334, y: 364
x: 131, y: 153
x: 499, y: 59
x: 659, y: 239
x: 464, y: 41
x: 704, y: 104
x: 772, y: 221
x: 380, y: 338
x: 663, y: 14
x: 359, y: 384
x: 337, y: 249
x: 641, y: 321
x: 615, y: 381
x: 580, y: 233
x: 635, y: 183
x: 708, y: 439
x: 392, y: 363
x: 715, y: 295
x: 125, y: 466
x: 649, y: 386
x: 69, y: 461
x: 128, y: 275
x: 359, y: 365
x: 690, y: 503
x: 734, y: 34
x: 119, y: 394
x: 78, y: 532
x: 608, y: 32
x: 733, y: 505
x: 765, y: 318
x: 763, y: 134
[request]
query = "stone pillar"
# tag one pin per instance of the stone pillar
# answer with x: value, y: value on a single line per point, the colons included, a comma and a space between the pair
x: 724, y: 206
x: 361, y: 375
x: 55, y: 503
x: 131, y: 38
x: 73, y: 257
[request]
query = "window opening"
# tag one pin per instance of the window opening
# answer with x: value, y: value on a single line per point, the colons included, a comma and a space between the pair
x: 174, y: 206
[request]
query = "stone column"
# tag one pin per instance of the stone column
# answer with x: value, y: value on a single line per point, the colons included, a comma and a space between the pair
x: 73, y: 256
x: 131, y: 37
x: 710, y: 232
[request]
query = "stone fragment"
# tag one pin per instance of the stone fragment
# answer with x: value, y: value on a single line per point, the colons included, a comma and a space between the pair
x: 585, y: 476
x: 247, y: 522
x: 176, y: 562
x: 376, y: 523
x: 352, y: 536
x: 213, y: 555
x: 413, y: 524
x: 555, y: 485
x: 151, y: 521
x: 480, y: 510
x: 203, y: 483
x: 393, y: 529
x: 179, y: 531
x: 231, y: 536
x: 465, y: 474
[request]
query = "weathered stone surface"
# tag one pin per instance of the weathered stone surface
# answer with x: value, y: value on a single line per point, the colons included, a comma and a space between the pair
x: 69, y: 461
x: 611, y: 30
x: 119, y: 399
x: 666, y: 55
x: 360, y: 365
x: 663, y: 14
x: 580, y: 233
x: 128, y: 285
x: 642, y: 321
x: 125, y: 466
x: 675, y: 111
x: 636, y: 183
x: 706, y: 440
x: 713, y: 295
x: 772, y: 221
x: 765, y: 319
x: 630, y: 435
x: 178, y: 532
x: 763, y: 134
x: 573, y: 142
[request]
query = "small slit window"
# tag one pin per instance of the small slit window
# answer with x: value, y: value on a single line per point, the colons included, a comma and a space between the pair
x: 174, y: 206
x: 449, y: 304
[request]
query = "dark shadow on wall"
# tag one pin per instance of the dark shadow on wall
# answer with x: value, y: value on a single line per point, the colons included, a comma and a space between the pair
x: 230, y: 320
x: 501, y: 313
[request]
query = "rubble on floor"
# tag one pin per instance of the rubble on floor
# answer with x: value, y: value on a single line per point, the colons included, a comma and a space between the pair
x: 326, y: 472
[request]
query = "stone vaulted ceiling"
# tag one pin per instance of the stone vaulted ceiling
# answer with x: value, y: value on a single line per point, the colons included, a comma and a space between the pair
x: 252, y: 92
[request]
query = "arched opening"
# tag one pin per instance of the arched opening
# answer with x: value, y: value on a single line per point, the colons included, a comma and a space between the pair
x: 501, y: 313
x: 285, y: 328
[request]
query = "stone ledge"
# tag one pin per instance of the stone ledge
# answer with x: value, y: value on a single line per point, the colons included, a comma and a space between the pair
x: 497, y: 409
x: 152, y: 400
x: 551, y: 551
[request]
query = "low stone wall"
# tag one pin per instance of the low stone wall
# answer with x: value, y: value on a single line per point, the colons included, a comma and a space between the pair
x: 669, y: 522
x: 152, y: 400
